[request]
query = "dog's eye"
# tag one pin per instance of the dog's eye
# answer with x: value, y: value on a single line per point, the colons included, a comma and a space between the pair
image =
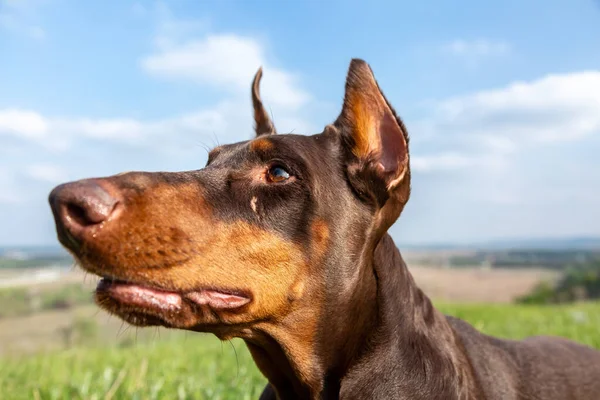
x: 277, y: 174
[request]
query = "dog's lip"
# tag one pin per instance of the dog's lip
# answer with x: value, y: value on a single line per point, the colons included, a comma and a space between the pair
x: 141, y: 295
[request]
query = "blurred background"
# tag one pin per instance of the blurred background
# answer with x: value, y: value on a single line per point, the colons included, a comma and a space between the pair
x: 501, y: 99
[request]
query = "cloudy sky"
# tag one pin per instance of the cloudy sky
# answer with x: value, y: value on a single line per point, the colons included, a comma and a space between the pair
x: 502, y: 99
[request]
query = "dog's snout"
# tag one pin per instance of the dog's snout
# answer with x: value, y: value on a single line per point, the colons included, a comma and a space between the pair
x: 79, y: 206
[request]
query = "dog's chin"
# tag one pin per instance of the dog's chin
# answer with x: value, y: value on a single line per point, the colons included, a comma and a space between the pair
x: 204, y: 310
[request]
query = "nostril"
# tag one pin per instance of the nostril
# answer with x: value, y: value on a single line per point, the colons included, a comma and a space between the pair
x: 79, y: 215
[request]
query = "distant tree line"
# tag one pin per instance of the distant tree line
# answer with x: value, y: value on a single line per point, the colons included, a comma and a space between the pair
x: 517, y: 258
x: 552, y: 259
x: 36, y: 262
x: 577, y: 284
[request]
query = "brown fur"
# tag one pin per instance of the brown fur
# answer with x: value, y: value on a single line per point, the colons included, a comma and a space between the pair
x: 332, y: 311
x: 263, y: 126
x: 262, y: 144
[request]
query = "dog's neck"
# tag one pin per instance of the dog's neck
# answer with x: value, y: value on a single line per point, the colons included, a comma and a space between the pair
x: 387, y: 326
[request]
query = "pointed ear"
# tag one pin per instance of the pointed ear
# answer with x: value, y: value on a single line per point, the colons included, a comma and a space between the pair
x: 264, y: 126
x: 374, y: 137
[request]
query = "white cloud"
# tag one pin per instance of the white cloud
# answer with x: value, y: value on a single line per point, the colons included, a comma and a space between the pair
x: 516, y: 145
x: 554, y: 108
x: 226, y: 61
x: 483, y: 129
x: 212, y: 60
x: 47, y: 173
x: 23, y: 123
x: 443, y: 161
x: 488, y: 129
x: 477, y: 48
x: 227, y: 120
x: 118, y: 129
x: 8, y: 191
x: 9, y: 198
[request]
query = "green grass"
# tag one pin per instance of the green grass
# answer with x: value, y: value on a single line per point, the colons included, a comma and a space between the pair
x: 194, y: 366
x: 19, y: 301
x: 579, y: 322
x: 191, y: 366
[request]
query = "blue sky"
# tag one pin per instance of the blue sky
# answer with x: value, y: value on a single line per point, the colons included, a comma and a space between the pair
x: 502, y: 99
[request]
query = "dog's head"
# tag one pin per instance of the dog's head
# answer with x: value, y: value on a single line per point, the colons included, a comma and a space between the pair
x: 266, y: 230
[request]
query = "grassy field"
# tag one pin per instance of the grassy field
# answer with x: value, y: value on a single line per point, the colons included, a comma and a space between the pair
x: 193, y: 366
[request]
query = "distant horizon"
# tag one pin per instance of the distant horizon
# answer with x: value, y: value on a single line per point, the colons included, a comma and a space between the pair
x: 493, y: 242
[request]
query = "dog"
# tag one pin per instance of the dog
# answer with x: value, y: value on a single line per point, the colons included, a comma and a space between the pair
x: 282, y: 241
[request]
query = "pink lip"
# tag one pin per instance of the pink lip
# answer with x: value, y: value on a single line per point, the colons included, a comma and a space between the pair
x: 143, y: 296
x: 218, y: 300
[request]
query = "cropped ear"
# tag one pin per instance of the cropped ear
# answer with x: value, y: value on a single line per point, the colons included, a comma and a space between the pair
x: 264, y: 126
x: 374, y: 137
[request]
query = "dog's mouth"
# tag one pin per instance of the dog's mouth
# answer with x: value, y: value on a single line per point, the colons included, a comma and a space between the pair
x: 145, y: 296
x: 144, y: 305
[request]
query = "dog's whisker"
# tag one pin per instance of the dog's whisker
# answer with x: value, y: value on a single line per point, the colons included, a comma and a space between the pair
x: 237, y: 361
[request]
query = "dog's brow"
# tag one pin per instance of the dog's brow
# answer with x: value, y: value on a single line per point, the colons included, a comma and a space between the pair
x: 261, y: 145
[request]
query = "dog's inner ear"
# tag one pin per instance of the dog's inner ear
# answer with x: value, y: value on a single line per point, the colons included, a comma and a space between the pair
x: 374, y: 137
x: 263, y: 126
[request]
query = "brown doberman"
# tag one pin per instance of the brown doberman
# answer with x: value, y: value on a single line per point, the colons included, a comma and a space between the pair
x: 282, y: 241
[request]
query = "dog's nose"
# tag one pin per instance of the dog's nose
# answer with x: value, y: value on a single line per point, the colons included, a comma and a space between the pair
x: 77, y: 207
